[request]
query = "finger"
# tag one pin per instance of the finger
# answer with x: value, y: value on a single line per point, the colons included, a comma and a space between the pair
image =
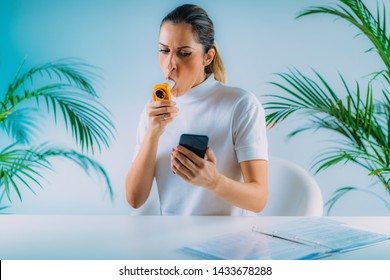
x: 190, y: 155
x: 162, y: 103
x: 180, y: 174
x: 210, y: 155
x: 180, y: 169
x: 168, y: 117
x: 185, y: 161
x: 162, y: 110
x: 164, y: 117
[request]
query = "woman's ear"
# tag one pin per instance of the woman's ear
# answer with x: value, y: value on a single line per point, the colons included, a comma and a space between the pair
x: 208, y: 58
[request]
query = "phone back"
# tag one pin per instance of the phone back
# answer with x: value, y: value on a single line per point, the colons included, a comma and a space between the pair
x: 195, y: 143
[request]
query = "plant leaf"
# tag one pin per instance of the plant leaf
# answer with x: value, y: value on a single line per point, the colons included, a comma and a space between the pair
x: 21, y: 167
x: 70, y: 92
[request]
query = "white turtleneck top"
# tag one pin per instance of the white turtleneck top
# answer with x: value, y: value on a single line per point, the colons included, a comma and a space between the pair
x: 234, y: 121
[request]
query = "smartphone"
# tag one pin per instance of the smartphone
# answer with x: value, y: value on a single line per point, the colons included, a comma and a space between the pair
x: 195, y: 143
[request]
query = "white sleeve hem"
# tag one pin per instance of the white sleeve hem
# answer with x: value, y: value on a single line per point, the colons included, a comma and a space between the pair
x: 251, y: 153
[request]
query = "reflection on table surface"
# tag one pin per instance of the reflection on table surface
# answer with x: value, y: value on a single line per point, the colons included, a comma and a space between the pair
x: 143, y: 237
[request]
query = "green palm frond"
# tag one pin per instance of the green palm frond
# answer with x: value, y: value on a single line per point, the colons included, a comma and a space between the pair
x: 362, y: 123
x: 339, y: 193
x: 20, y: 124
x: 344, y: 154
x: 65, y: 89
x: 21, y: 167
x: 74, y: 97
x: 46, y: 151
x: 75, y: 72
x: 373, y: 27
x: 2, y: 207
x: 87, y: 118
x: 351, y: 117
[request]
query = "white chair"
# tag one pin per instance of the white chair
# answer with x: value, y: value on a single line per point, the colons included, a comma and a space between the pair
x: 292, y: 191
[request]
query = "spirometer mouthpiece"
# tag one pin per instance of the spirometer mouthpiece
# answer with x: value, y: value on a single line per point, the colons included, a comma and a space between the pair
x: 171, y: 83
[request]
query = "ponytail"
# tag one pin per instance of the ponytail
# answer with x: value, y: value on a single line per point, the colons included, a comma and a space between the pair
x: 216, y: 66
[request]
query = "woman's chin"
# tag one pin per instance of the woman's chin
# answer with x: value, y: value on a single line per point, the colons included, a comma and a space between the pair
x: 176, y: 93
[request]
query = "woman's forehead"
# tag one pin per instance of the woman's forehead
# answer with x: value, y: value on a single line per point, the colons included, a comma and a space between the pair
x: 177, y: 35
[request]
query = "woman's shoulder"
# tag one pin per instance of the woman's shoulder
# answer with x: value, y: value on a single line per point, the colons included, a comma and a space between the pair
x: 237, y: 93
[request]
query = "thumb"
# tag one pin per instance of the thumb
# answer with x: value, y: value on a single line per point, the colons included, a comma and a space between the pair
x: 210, y: 155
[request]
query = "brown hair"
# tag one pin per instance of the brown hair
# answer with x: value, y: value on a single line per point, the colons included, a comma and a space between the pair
x: 203, y: 28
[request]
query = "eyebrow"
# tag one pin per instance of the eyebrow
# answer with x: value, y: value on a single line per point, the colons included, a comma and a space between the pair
x: 182, y: 47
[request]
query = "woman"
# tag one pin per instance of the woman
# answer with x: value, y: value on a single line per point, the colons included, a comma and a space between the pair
x: 232, y: 118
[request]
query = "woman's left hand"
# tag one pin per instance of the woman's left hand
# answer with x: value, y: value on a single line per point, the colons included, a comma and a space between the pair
x: 193, y: 169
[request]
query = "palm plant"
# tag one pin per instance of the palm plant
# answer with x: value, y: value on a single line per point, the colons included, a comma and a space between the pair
x: 68, y: 96
x: 362, y: 120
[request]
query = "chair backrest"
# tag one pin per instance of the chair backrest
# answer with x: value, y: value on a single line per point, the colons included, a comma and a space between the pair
x: 292, y: 191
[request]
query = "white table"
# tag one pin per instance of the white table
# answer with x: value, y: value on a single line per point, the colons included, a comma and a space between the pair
x: 141, y: 237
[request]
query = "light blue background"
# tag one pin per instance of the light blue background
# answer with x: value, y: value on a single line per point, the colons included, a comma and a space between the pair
x: 256, y: 40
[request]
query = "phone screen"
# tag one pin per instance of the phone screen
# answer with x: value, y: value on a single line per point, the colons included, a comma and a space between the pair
x: 195, y: 143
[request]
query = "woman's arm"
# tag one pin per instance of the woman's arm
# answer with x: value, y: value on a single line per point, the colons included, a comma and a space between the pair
x: 251, y: 194
x: 140, y: 177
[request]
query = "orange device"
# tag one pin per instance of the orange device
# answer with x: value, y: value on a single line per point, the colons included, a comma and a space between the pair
x: 162, y: 91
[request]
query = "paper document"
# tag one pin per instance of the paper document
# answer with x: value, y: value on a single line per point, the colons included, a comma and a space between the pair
x: 306, y: 238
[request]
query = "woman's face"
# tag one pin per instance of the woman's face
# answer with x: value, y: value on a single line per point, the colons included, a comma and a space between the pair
x: 181, y: 57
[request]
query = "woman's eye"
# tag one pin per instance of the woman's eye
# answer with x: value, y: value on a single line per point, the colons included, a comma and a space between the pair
x: 185, y: 54
x: 163, y: 51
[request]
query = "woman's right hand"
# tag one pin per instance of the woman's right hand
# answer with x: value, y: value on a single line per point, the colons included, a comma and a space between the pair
x: 161, y: 113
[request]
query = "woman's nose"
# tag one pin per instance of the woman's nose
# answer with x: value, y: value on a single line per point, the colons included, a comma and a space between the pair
x: 172, y: 63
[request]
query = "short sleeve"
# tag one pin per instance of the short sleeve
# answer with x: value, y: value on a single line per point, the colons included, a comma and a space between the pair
x: 249, y: 129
